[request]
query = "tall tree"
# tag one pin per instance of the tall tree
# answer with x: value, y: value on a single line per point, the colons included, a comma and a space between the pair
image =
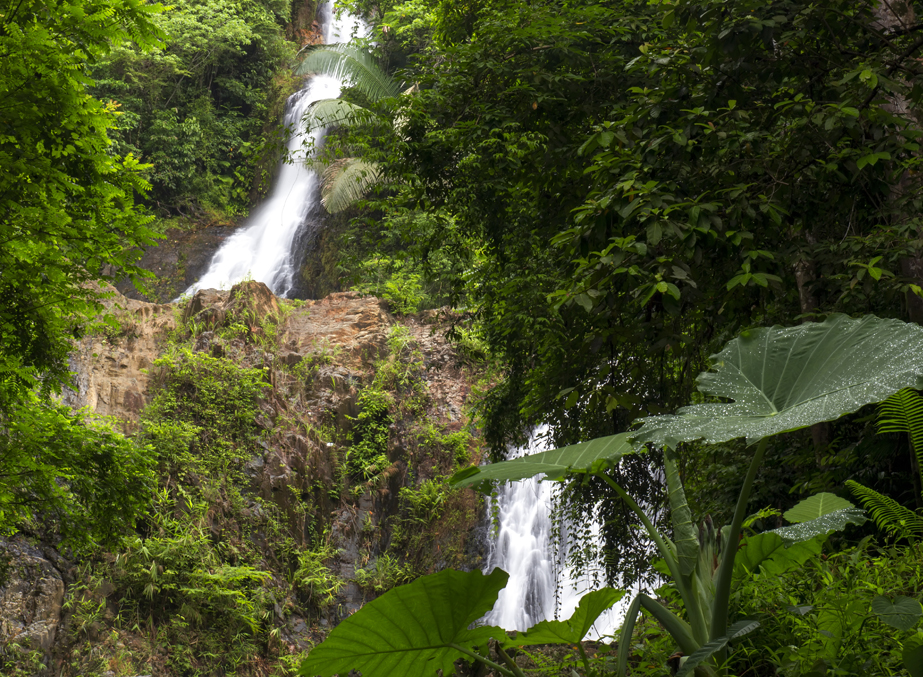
x: 67, y: 214
x: 628, y: 185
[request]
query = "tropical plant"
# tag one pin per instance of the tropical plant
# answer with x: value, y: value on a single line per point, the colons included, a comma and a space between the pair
x: 424, y: 626
x: 774, y: 380
x: 830, y: 616
x: 200, y: 109
x: 67, y: 219
x: 900, y: 413
x: 346, y: 180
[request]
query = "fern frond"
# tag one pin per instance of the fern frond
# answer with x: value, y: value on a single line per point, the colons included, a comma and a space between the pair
x: 889, y: 515
x: 903, y: 413
x: 346, y: 181
x: 352, y: 64
x: 335, y: 112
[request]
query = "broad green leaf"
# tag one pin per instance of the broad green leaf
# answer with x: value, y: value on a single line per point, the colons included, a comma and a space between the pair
x: 816, y: 506
x: 553, y: 463
x: 410, y: 630
x: 903, y: 613
x: 834, y: 521
x: 913, y: 655
x: 786, y: 378
x: 706, y: 651
x: 767, y: 551
x: 576, y: 627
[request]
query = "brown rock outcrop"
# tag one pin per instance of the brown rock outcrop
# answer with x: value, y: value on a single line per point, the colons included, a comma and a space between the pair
x: 31, y: 596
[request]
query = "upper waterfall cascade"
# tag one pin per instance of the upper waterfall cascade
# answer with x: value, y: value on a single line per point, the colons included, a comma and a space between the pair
x: 541, y: 585
x: 262, y: 247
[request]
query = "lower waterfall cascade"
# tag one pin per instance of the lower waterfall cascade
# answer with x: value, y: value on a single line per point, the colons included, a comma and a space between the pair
x: 541, y: 585
x: 262, y: 247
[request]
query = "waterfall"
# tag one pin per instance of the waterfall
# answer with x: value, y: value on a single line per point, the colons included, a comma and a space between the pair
x: 541, y: 585
x: 262, y: 246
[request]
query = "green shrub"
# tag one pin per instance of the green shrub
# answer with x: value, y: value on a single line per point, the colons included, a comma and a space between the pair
x: 178, y: 570
x: 818, y: 620
x: 202, y: 421
x: 315, y: 578
x: 393, y: 281
x: 383, y: 574
x: 367, y: 457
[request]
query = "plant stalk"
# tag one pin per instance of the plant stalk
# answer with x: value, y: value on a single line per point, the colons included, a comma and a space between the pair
x: 719, y: 613
x: 509, y: 661
x: 689, y: 600
x: 489, y: 663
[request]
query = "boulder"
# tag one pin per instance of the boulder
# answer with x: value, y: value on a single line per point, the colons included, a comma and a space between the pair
x: 31, y: 596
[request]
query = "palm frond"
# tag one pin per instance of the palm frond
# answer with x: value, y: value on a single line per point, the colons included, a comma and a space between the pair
x: 346, y: 181
x: 335, y: 112
x: 903, y: 413
x: 889, y: 515
x: 355, y: 65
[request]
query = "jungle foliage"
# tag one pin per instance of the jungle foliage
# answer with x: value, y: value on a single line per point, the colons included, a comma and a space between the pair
x: 776, y: 380
x: 615, y: 189
x: 629, y: 185
x: 197, y: 109
x: 67, y: 216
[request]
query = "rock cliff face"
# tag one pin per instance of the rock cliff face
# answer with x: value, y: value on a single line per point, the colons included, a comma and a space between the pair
x: 324, y: 366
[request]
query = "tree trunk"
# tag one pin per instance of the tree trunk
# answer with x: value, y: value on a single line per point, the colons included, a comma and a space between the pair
x: 891, y: 15
x: 912, y: 269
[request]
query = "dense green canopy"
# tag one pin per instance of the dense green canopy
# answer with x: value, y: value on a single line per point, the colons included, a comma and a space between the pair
x: 618, y: 188
x: 67, y: 217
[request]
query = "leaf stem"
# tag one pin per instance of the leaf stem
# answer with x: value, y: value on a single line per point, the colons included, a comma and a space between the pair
x: 668, y: 555
x: 486, y: 661
x: 509, y: 661
x: 583, y: 656
x: 726, y: 568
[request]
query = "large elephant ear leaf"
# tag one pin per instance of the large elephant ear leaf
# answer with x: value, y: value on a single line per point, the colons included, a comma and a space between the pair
x: 816, y: 506
x: 413, y: 630
x: 581, y: 457
x: 786, y: 378
x: 903, y: 613
x: 574, y: 629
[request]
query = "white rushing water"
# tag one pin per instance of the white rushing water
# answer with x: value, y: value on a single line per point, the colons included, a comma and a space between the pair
x: 262, y: 247
x: 541, y: 585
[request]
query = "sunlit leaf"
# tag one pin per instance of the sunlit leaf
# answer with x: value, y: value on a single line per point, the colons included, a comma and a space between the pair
x: 353, y: 64
x: 816, y: 506
x: 347, y: 181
